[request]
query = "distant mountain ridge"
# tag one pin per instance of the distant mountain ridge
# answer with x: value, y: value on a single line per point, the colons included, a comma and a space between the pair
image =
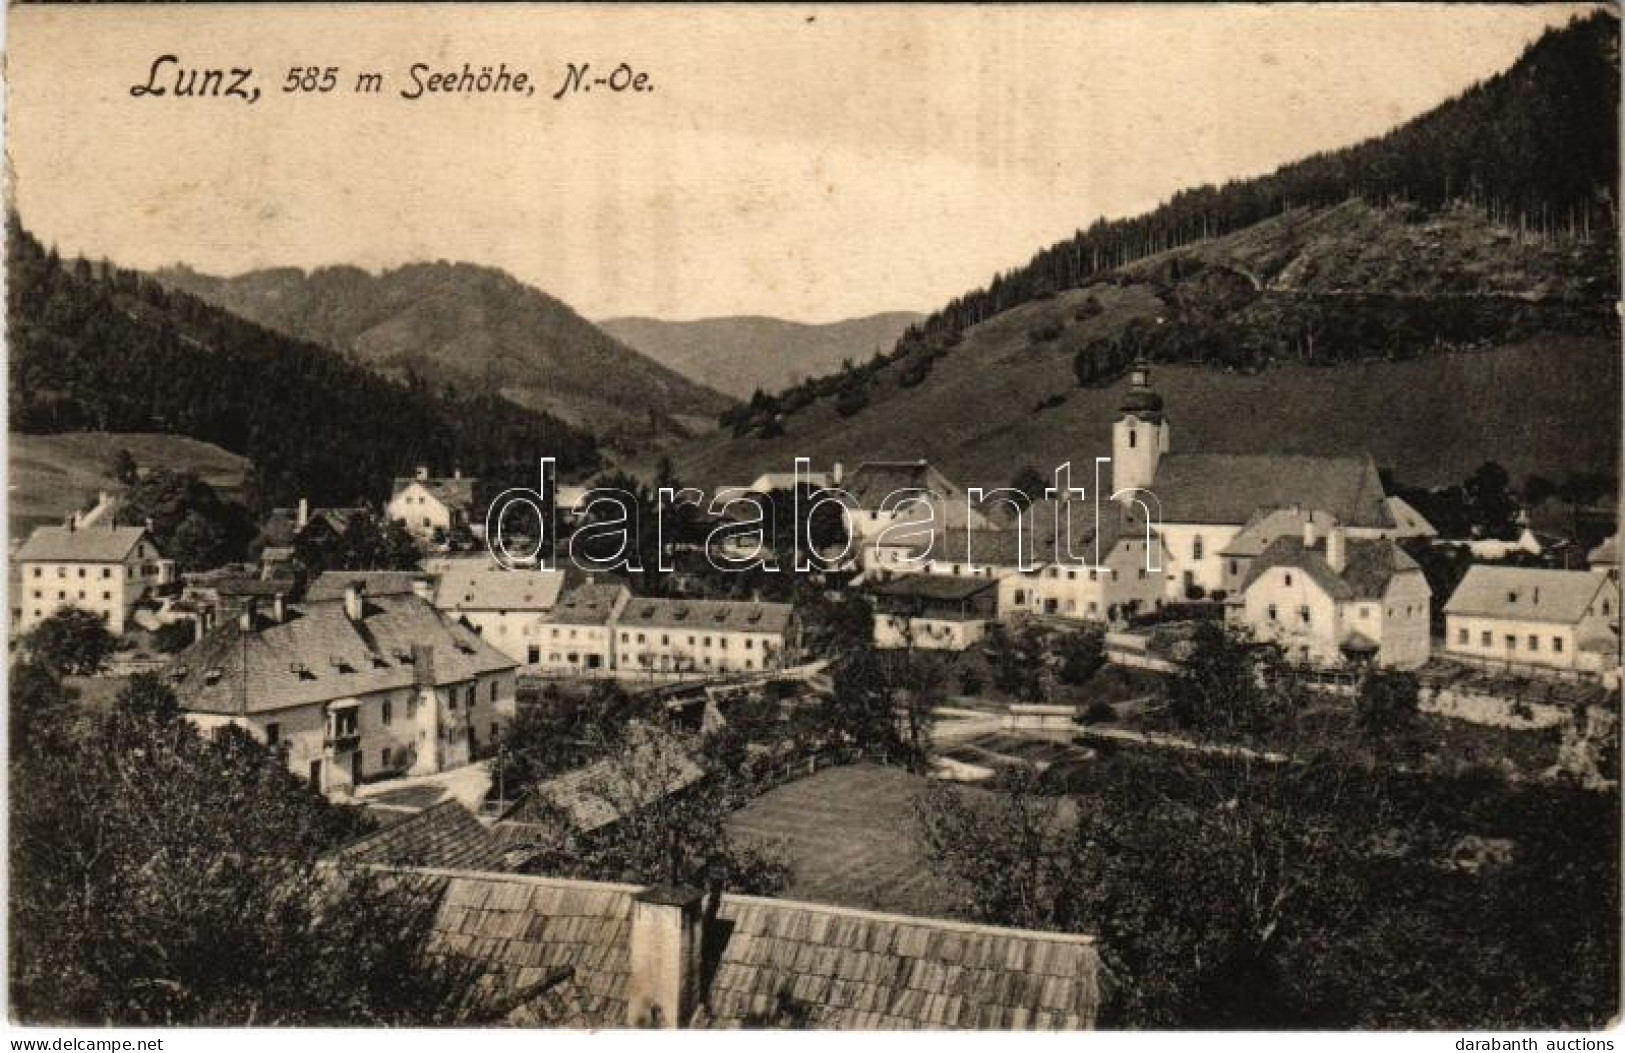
x: 740, y: 354
x: 475, y: 328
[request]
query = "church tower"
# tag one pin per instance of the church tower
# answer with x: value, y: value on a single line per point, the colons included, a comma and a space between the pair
x: 1140, y: 436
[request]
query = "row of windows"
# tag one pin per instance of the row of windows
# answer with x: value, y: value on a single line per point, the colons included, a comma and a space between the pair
x: 1486, y: 638
x: 107, y: 572
x: 62, y: 595
x: 665, y: 641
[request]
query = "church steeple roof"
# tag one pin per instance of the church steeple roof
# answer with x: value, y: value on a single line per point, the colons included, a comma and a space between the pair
x: 1141, y: 400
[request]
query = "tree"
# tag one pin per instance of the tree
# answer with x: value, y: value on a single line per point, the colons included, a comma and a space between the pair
x: 190, y: 523
x: 72, y: 642
x: 1233, y: 688
x: 1030, y: 484
x: 1017, y: 663
x: 163, y: 877
x: 1490, y: 502
x: 1385, y: 703
x: 123, y: 467
x: 1082, y: 654
x: 882, y: 700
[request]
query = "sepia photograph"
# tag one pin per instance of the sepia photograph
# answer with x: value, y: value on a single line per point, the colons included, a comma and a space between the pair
x: 1071, y: 517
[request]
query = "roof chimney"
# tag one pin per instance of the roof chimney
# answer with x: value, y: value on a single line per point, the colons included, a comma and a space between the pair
x: 200, y: 626
x: 304, y: 514
x: 355, y: 600
x: 423, y: 589
x: 245, y: 620
x: 835, y: 474
x: 1310, y: 536
x: 279, y: 608
x: 664, y: 985
x: 456, y: 473
x: 422, y: 472
x: 1337, y: 544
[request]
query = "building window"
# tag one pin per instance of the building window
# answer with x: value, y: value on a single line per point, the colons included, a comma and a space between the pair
x: 493, y: 691
x: 1289, y: 577
x: 1271, y: 612
x: 1557, y: 645
x: 1534, y: 642
x: 107, y: 572
x: 1461, y: 637
x: 273, y: 734
x: 1512, y: 642
x: 1303, y: 614
x: 37, y: 571
x: 388, y: 714
x: 1133, y: 438
x: 1196, y: 547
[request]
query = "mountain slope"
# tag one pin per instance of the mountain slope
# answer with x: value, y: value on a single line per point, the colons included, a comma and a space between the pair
x: 475, y: 328
x: 740, y: 355
x: 94, y: 348
x: 1438, y: 296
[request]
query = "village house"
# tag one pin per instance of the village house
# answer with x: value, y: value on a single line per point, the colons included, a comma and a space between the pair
x: 1203, y: 501
x: 577, y: 635
x: 1604, y: 559
x: 704, y: 636
x: 284, y: 527
x: 353, y: 689
x: 1078, y: 569
x: 880, y: 494
x: 428, y: 505
x: 506, y: 607
x: 557, y: 952
x: 91, y: 564
x: 1335, y: 599
x: 933, y: 612
x: 1557, y: 619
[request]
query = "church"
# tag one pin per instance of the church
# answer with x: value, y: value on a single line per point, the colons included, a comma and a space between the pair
x: 1204, y: 500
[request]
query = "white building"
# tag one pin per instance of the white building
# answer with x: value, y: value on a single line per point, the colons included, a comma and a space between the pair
x: 933, y: 612
x: 506, y: 607
x: 578, y: 635
x: 704, y: 636
x: 1560, y: 619
x: 101, y: 568
x: 426, y: 504
x: 1203, y: 501
x: 354, y: 689
x: 1338, y: 599
x: 880, y: 494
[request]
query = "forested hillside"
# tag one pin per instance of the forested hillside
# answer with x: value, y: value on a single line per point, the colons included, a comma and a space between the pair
x: 94, y: 347
x: 1479, y: 240
x: 477, y: 329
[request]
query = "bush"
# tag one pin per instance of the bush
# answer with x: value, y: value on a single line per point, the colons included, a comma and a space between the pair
x: 172, y: 637
x: 970, y: 681
x: 851, y: 401
x: 1099, y: 712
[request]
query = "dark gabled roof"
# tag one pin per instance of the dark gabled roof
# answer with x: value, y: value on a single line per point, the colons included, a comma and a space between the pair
x: 1039, y: 538
x: 1226, y: 488
x: 652, y: 764
x: 444, y: 835
x: 1527, y: 593
x: 1267, y: 524
x: 586, y: 605
x: 281, y: 525
x: 318, y: 655
x: 474, y: 585
x: 934, y: 586
x: 1370, y: 565
x: 873, y: 481
x: 90, y: 544
x: 330, y: 584
x: 837, y: 967
x: 452, y: 491
x: 745, y: 616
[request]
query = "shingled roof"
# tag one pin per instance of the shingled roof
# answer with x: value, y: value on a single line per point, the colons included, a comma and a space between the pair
x: 652, y: 764
x: 444, y: 835
x: 1370, y: 565
x: 318, y: 654
x: 472, y: 585
x: 331, y: 584
x: 835, y: 967
x: 1225, y: 488
x: 1039, y: 537
x: 873, y: 481
x: 1528, y: 593
x: 90, y: 544
x: 586, y: 605
x: 451, y: 491
x: 745, y: 616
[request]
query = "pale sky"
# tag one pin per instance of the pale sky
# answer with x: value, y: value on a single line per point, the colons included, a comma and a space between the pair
x: 810, y: 163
